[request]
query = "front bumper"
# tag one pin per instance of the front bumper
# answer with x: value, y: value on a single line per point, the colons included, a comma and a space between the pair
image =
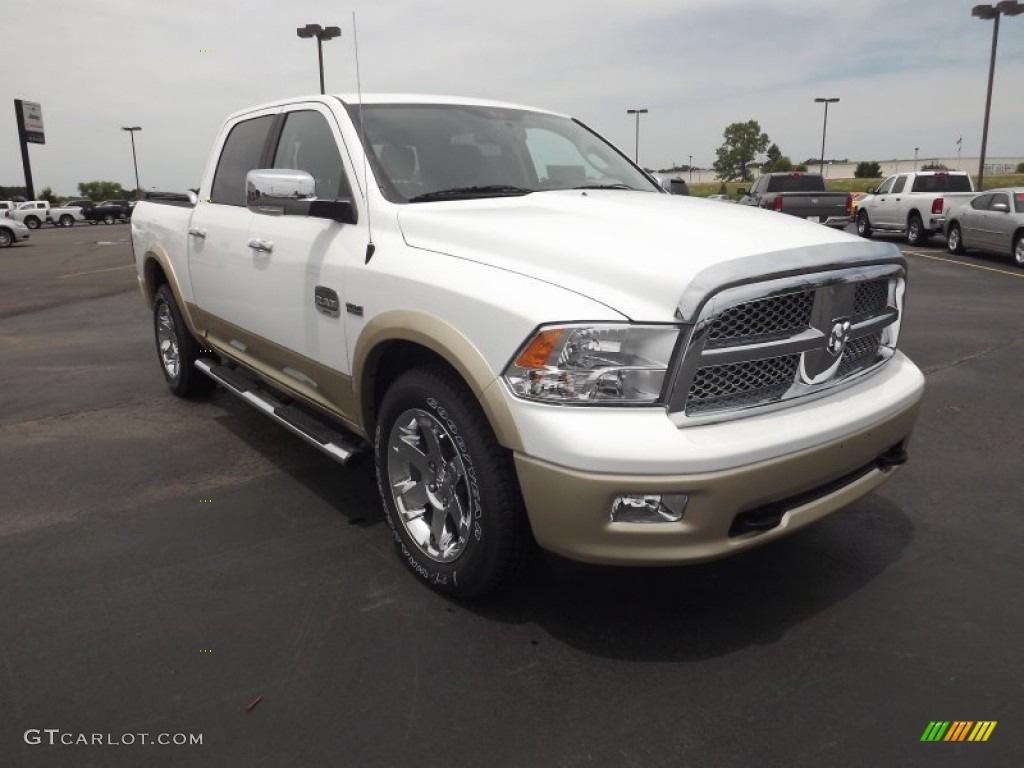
x: 569, y: 510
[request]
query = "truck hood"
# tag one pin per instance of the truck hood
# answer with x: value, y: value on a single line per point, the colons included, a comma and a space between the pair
x: 634, y: 252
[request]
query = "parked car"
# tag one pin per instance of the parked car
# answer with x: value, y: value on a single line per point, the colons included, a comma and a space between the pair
x: 109, y: 211
x: 12, y: 231
x: 799, y: 194
x: 5, y: 206
x: 912, y: 204
x: 992, y: 221
x: 672, y: 184
x: 33, y: 214
x: 529, y: 336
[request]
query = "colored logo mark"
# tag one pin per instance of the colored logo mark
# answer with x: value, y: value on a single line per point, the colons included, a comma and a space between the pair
x: 958, y: 730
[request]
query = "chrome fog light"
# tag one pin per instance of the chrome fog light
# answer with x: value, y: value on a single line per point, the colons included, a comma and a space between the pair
x: 649, y: 507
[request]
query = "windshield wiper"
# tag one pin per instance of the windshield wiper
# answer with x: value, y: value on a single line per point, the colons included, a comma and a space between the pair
x: 605, y: 186
x: 489, y: 190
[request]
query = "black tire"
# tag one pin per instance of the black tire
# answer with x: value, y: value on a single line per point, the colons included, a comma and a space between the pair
x: 67, y: 220
x: 916, y: 233
x: 863, y: 224
x: 1018, y: 249
x: 433, y: 440
x: 108, y: 218
x: 32, y: 222
x: 6, y: 238
x: 954, y: 239
x: 174, y: 340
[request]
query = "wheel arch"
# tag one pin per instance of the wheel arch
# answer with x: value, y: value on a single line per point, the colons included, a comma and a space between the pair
x: 157, y: 271
x: 399, y: 340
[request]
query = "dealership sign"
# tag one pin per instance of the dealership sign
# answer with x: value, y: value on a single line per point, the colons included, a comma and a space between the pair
x: 31, y: 121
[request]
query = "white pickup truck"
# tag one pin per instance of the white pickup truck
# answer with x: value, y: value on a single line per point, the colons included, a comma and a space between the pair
x: 913, y: 204
x: 35, y: 213
x: 533, y: 340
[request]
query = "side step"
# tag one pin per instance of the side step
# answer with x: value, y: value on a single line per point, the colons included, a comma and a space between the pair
x: 318, y: 432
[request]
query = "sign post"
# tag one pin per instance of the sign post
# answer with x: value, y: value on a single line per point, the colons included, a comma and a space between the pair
x: 29, y: 116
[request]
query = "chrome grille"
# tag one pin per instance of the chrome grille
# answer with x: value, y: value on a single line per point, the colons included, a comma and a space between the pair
x: 727, y: 386
x: 871, y: 296
x: 762, y: 318
x: 754, y: 345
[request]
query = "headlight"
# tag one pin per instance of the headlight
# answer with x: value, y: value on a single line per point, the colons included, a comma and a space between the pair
x: 594, y: 364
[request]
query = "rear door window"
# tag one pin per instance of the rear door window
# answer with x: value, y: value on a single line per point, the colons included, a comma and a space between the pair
x: 241, y: 154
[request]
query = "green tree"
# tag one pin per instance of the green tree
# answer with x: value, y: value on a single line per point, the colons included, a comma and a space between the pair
x: 101, y: 190
x: 776, y: 162
x: 867, y: 170
x: 743, y: 143
x: 48, y: 196
x: 1020, y: 167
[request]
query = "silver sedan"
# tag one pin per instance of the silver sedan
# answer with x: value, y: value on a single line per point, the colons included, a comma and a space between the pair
x: 11, y: 231
x: 992, y: 221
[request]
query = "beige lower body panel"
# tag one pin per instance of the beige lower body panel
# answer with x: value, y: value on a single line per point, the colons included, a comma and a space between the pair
x: 570, y: 510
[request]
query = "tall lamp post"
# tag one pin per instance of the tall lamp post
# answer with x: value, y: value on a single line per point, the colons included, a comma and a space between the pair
x: 691, y: 169
x: 636, y: 148
x: 135, y: 162
x: 916, y: 149
x: 1005, y: 8
x: 824, y: 127
x: 321, y: 34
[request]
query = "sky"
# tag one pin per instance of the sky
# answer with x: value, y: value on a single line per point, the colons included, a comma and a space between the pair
x: 908, y: 73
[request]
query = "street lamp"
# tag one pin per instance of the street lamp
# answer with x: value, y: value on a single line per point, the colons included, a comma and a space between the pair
x: 636, y: 149
x: 691, y: 169
x: 915, y: 157
x: 135, y: 162
x: 321, y: 34
x: 824, y: 126
x: 1005, y: 8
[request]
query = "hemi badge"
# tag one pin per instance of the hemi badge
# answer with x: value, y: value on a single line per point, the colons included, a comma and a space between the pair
x: 353, y: 309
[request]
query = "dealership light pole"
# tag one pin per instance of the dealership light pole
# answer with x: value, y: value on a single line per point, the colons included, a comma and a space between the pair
x: 916, y: 150
x: 1005, y: 8
x: 135, y: 162
x: 824, y: 127
x: 636, y: 148
x: 321, y: 34
x: 691, y: 169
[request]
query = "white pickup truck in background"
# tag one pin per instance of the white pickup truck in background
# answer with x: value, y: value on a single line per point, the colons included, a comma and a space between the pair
x: 35, y: 213
x: 913, y: 204
x: 532, y: 339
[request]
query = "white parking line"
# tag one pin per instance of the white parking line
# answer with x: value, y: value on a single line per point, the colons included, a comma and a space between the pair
x: 94, y: 271
x: 965, y: 264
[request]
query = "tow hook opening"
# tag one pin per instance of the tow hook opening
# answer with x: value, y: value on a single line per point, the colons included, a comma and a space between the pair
x: 894, y: 457
x: 757, y: 520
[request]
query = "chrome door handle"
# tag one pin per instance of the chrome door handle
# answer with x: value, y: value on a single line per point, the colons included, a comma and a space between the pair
x: 266, y: 246
x: 196, y: 232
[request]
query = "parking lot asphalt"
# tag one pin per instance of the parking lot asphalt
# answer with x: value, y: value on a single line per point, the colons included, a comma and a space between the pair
x: 171, y: 567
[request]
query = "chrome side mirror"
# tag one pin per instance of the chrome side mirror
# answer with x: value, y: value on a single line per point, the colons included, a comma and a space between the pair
x: 287, y: 192
x: 269, y: 190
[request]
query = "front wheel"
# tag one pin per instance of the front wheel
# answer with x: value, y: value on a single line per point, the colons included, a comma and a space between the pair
x: 176, y: 348
x: 916, y: 233
x: 1018, y: 249
x: 449, y: 491
x: 863, y: 224
x: 32, y: 222
x: 954, y: 239
x: 6, y: 238
x: 108, y: 219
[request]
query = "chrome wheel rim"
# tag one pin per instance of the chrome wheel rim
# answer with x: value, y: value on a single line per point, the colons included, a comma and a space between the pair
x: 1018, y: 252
x: 5, y: 239
x: 913, y: 231
x: 167, y: 341
x: 954, y: 239
x: 428, y: 485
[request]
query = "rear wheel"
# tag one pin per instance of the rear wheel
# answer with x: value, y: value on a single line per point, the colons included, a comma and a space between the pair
x: 954, y: 239
x: 108, y: 218
x: 449, y: 491
x: 1018, y: 249
x: 916, y: 233
x: 863, y: 224
x: 67, y: 220
x: 32, y: 222
x: 176, y: 348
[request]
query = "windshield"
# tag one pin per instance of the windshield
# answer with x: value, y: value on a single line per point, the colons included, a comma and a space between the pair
x: 425, y: 152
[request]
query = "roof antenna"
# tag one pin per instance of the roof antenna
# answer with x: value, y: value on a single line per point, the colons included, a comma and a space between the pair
x: 370, y: 247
